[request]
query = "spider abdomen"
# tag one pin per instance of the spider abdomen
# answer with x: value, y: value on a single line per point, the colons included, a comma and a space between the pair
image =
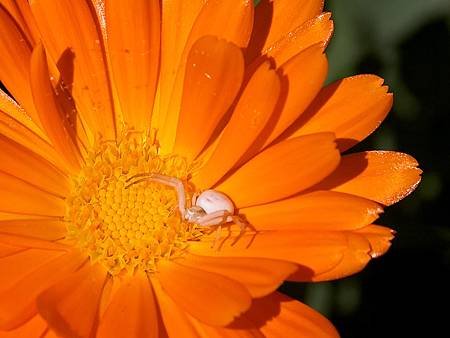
x: 212, y: 201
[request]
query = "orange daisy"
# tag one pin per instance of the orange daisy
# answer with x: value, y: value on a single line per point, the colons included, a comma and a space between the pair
x: 125, y: 111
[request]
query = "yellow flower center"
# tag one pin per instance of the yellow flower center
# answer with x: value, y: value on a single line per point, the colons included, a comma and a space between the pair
x: 127, y: 227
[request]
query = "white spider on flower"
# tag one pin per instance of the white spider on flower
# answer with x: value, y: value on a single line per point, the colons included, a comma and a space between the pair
x: 208, y: 208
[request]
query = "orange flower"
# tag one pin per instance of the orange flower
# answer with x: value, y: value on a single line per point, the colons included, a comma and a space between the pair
x: 215, y: 94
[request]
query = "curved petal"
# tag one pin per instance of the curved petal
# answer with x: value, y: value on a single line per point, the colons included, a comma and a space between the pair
x: 185, y: 285
x: 133, y: 41
x: 382, y: 176
x: 260, y: 276
x: 379, y: 237
x: 16, y: 196
x: 36, y: 327
x: 290, y: 318
x: 11, y: 108
x: 213, y: 77
x: 70, y: 307
x: 207, y: 331
x: 316, y: 211
x: 250, y: 117
x: 315, y: 31
x: 79, y: 53
x: 50, y: 334
x: 355, y: 258
x: 30, y: 242
x: 13, y: 129
x: 362, y: 245
x: 6, y: 216
x: 8, y: 250
x: 173, y: 42
x: 303, y: 75
x: 46, y: 229
x: 21, y: 12
x: 352, y: 108
x: 16, y: 267
x: 20, y: 162
x: 132, y: 312
x: 50, y: 113
x: 17, y: 304
x: 314, y: 252
x: 175, y: 319
x: 282, y: 170
x: 275, y: 19
x: 14, y: 63
x: 231, y: 21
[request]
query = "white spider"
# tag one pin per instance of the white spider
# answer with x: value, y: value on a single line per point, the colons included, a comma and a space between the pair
x: 208, y: 208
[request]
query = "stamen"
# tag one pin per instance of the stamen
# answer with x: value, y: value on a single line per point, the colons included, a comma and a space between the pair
x: 122, y: 224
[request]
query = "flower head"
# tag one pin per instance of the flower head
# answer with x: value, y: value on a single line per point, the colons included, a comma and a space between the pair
x: 124, y: 112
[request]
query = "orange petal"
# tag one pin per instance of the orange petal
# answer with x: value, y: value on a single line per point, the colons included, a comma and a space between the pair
x: 362, y: 245
x: 79, y: 53
x: 133, y: 33
x: 382, y: 176
x: 282, y: 170
x: 6, y: 216
x: 213, y: 77
x: 11, y: 108
x: 173, y: 41
x: 16, y: 196
x: 290, y: 318
x: 276, y: 19
x: 20, y: 133
x: 15, y: 267
x: 20, y: 162
x: 352, y: 108
x: 50, y: 334
x: 260, y: 276
x: 8, y: 250
x: 304, y: 75
x: 70, y: 306
x: 355, y: 258
x: 314, y: 252
x: 231, y: 21
x: 36, y: 327
x: 21, y: 12
x: 379, y: 238
x: 14, y: 63
x: 132, y: 312
x: 315, y: 31
x: 249, y: 118
x: 46, y: 229
x: 30, y: 242
x: 207, y: 331
x: 316, y: 211
x: 17, y: 304
x: 175, y: 319
x: 50, y: 113
x: 185, y: 285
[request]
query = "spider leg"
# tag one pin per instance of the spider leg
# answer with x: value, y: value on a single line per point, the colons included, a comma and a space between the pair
x: 194, y: 197
x: 238, y: 220
x: 218, y: 235
x: 166, y: 180
x: 214, y: 218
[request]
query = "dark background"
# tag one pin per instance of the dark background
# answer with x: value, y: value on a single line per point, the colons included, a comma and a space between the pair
x: 405, y: 293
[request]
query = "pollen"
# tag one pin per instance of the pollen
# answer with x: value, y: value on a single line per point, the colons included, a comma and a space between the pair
x: 128, y: 227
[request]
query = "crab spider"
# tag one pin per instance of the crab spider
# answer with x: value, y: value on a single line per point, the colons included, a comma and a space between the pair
x: 208, y: 208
